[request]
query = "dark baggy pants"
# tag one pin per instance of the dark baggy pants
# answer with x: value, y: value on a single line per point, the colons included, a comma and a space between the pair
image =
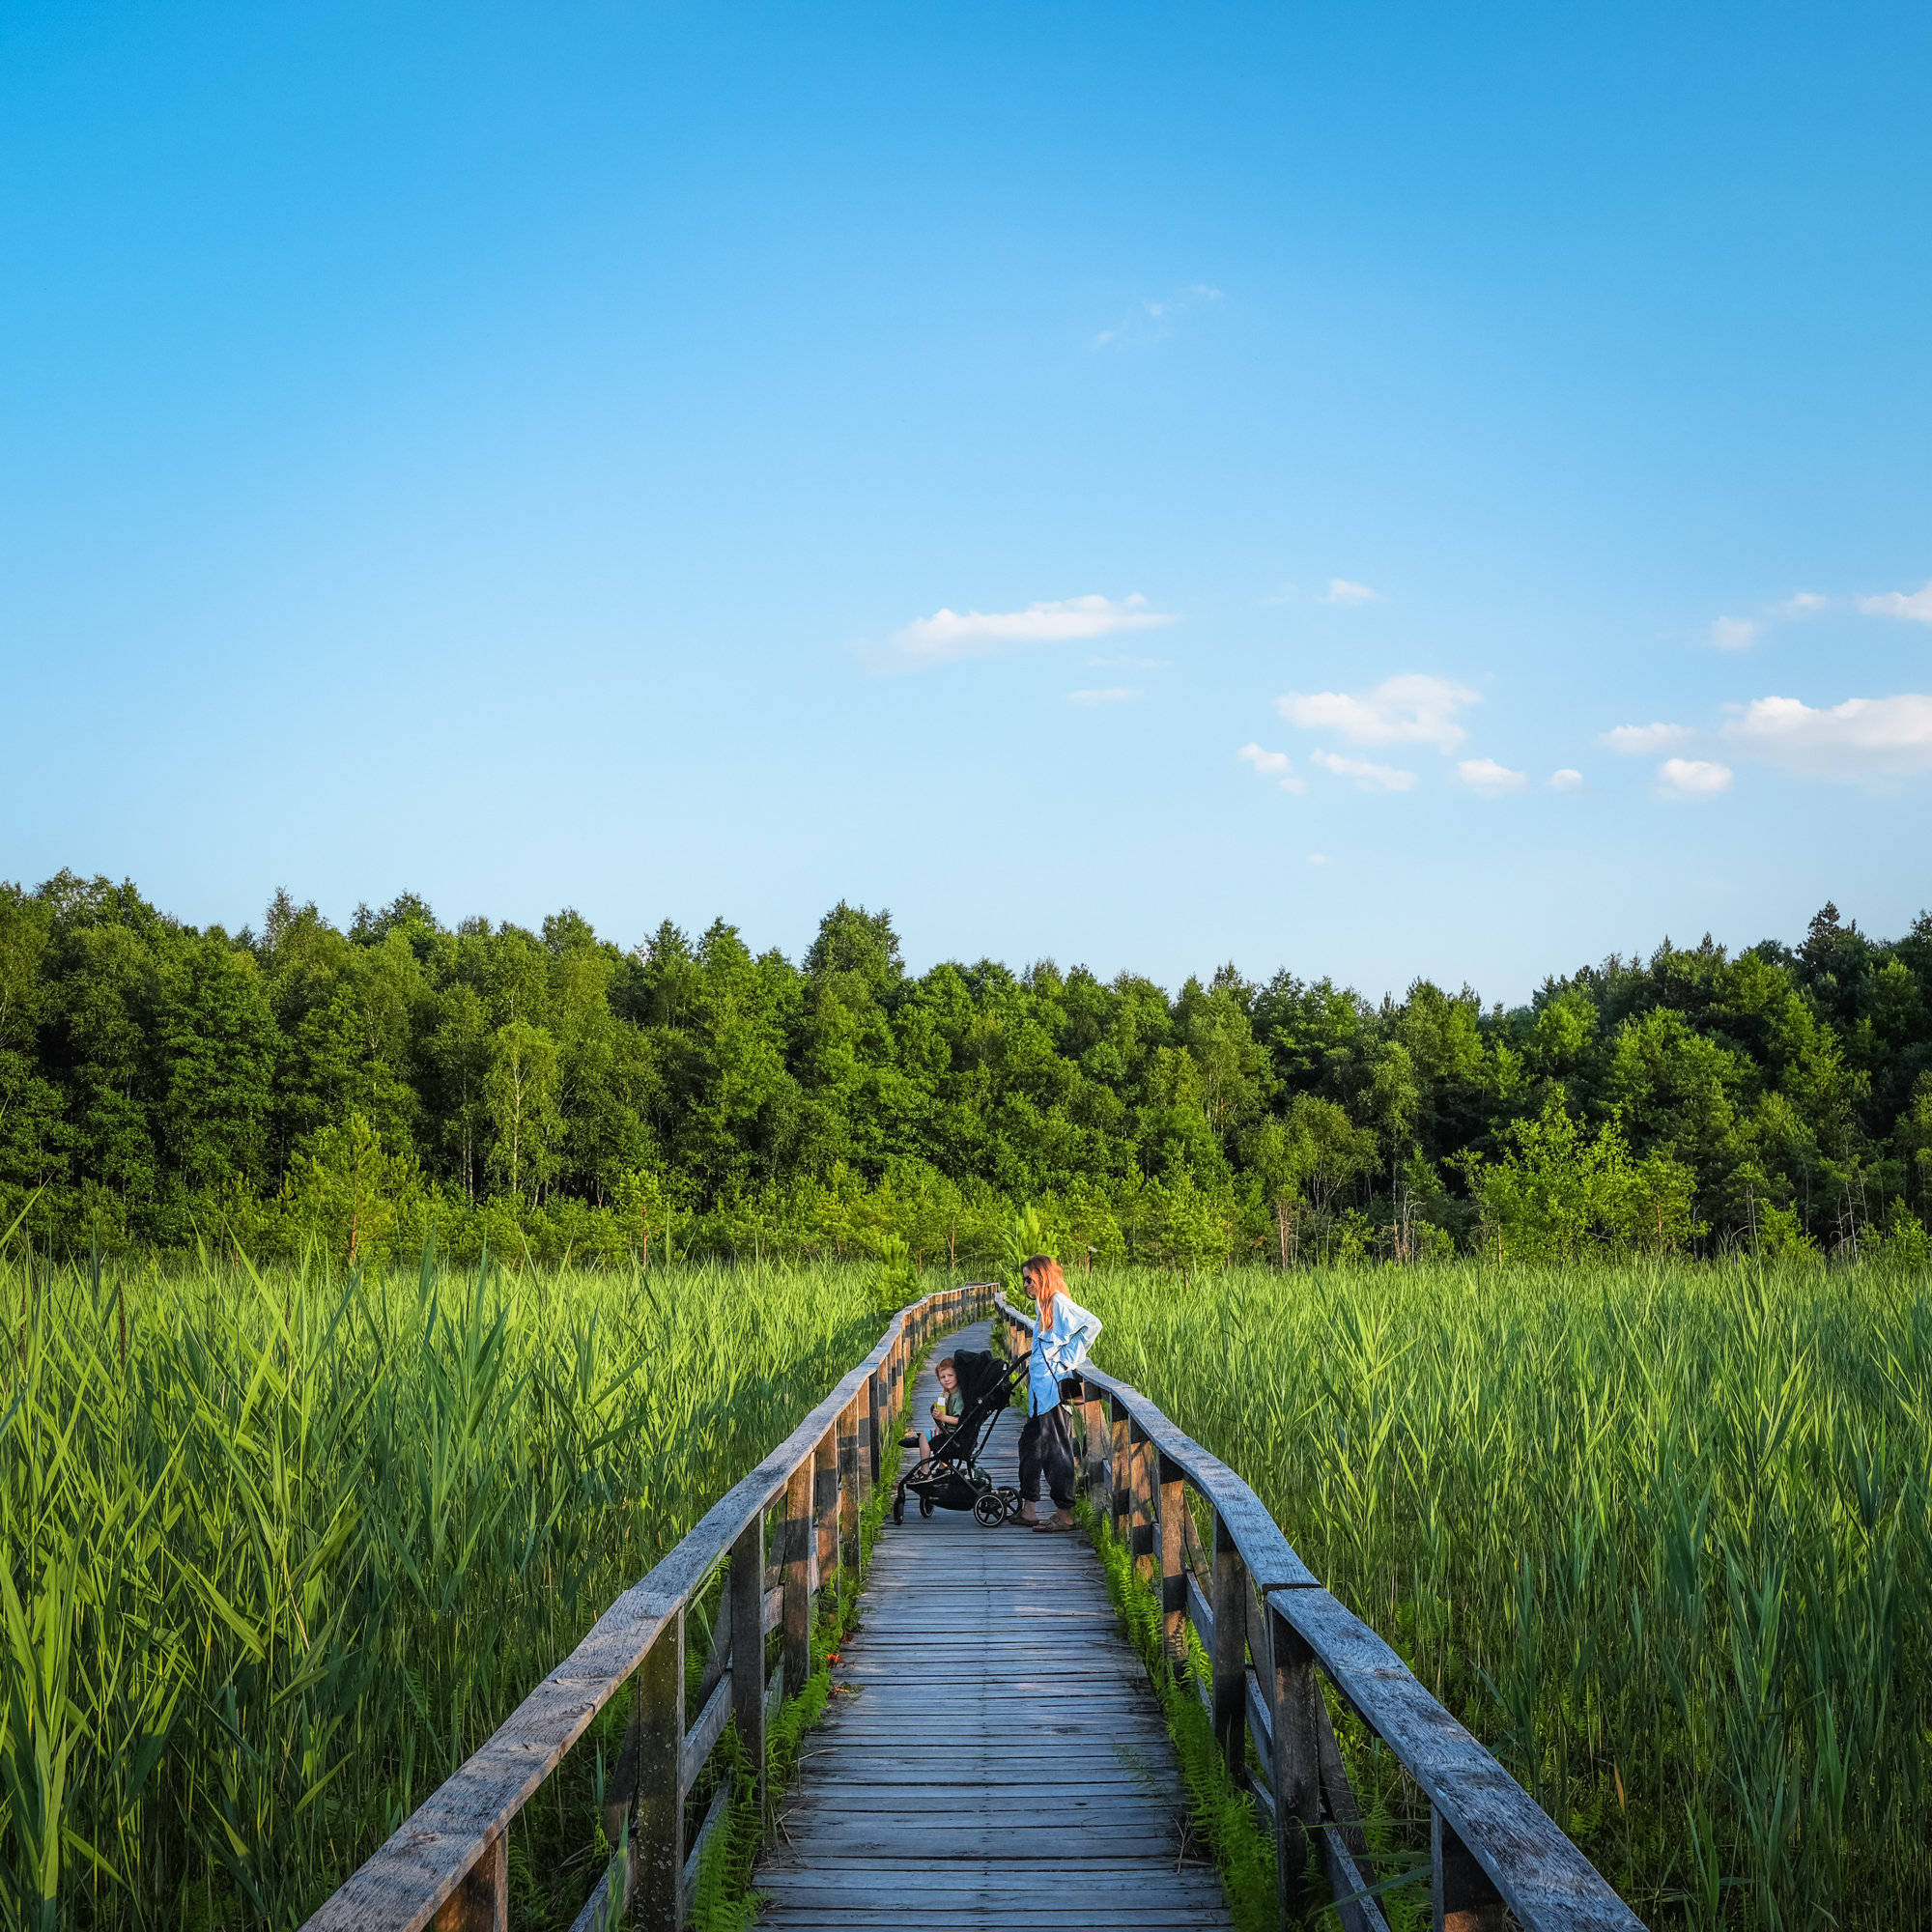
x: 1046, y: 1449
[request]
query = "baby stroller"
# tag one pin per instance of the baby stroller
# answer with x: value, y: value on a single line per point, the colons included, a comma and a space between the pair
x: 951, y: 1477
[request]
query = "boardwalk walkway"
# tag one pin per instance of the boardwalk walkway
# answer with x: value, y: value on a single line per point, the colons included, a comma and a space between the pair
x: 996, y: 1758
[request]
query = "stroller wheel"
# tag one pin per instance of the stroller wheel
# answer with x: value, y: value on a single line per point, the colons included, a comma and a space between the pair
x: 1010, y: 1501
x: 988, y: 1512
x: 926, y: 1505
x: 898, y: 1510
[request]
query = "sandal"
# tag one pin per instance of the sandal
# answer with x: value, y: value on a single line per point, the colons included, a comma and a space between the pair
x: 1054, y: 1526
x: 909, y: 1441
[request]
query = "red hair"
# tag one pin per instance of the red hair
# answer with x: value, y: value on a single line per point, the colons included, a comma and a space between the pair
x: 1046, y: 1270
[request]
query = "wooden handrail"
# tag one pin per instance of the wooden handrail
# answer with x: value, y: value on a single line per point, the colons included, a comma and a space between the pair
x: 446, y: 1864
x: 1491, y: 1845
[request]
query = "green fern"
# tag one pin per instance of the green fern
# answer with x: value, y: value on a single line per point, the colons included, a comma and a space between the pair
x: 1221, y: 1813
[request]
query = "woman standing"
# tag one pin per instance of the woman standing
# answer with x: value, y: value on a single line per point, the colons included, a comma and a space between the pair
x: 1061, y: 1334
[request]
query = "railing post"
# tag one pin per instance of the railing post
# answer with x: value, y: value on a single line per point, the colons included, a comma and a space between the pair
x: 798, y: 1567
x: 855, y: 1458
x: 1093, y: 1414
x: 657, y: 1816
x: 1140, y: 1483
x: 1123, y: 1474
x: 748, y: 1645
x: 1296, y: 1777
x: 876, y: 1419
x: 1230, y: 1650
x: 825, y: 1510
x: 1173, y: 1564
x: 1462, y: 1897
x: 481, y: 1902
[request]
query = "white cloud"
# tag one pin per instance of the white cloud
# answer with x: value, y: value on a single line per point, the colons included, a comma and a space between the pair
x: 1317, y: 857
x: 1914, y: 604
x: 1367, y: 777
x: 1801, y: 604
x: 1412, y: 709
x: 1569, y: 779
x: 1638, y: 741
x: 1115, y: 693
x: 949, y: 635
x: 1862, y: 739
x: 1342, y: 591
x: 1735, y: 634
x: 1274, y: 765
x: 1694, y: 778
x: 1492, y: 780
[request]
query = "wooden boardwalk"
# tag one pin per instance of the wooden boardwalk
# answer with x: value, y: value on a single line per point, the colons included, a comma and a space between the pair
x: 992, y: 1756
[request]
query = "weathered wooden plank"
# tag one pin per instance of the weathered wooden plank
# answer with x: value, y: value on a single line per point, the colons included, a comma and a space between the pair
x: 850, y: 1493
x: 481, y: 1901
x: 1461, y: 1896
x: 704, y: 1734
x: 746, y: 1589
x: 824, y: 1512
x: 775, y: 1692
x: 798, y: 1577
x: 1174, y: 1577
x: 1225, y: 1639
x: 1543, y: 1878
x: 657, y: 1813
x: 1296, y: 1777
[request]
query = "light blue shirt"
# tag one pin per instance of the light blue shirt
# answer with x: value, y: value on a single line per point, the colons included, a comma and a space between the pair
x: 1058, y: 1350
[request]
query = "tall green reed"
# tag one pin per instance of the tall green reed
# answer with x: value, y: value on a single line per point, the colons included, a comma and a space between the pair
x: 1660, y: 1535
x: 272, y: 1579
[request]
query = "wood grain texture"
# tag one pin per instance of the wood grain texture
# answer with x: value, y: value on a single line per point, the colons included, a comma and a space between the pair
x: 1542, y: 1877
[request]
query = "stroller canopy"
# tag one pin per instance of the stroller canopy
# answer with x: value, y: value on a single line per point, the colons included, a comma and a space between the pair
x: 982, y: 1380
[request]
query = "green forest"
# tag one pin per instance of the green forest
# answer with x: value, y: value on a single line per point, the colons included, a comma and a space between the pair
x: 342, y: 1094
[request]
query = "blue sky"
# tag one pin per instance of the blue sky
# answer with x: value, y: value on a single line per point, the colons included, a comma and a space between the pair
x: 1140, y: 486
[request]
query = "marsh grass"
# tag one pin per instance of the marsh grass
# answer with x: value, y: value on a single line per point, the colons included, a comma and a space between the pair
x: 1662, y: 1536
x: 284, y: 1550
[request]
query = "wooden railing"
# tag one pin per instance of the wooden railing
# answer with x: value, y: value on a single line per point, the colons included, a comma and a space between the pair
x: 446, y: 1865
x: 1491, y: 1846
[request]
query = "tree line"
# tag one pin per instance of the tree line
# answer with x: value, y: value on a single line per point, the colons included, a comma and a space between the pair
x: 346, y: 1094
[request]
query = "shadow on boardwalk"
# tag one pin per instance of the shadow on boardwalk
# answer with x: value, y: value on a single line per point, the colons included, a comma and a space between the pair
x: 992, y: 1756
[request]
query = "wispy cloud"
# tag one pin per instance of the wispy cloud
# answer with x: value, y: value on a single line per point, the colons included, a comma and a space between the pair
x: 1342, y: 591
x: 1367, y: 777
x: 1639, y: 741
x: 1274, y: 765
x: 1569, y: 779
x: 1858, y: 740
x: 1154, y: 319
x: 1914, y: 604
x: 1115, y: 693
x: 1735, y: 634
x: 1317, y: 857
x: 1412, y: 709
x: 948, y: 636
x: 1692, y: 778
x: 1492, y: 780
x: 1799, y: 603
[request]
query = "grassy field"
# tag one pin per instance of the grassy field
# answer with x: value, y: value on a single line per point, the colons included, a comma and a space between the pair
x: 281, y: 1555
x: 1661, y: 1536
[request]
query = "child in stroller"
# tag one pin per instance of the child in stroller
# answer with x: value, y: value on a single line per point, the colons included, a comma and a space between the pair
x: 948, y: 1474
x: 945, y: 1411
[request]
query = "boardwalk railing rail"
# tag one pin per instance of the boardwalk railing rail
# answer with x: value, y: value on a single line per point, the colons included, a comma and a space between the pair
x: 446, y: 1865
x: 1492, y: 1847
